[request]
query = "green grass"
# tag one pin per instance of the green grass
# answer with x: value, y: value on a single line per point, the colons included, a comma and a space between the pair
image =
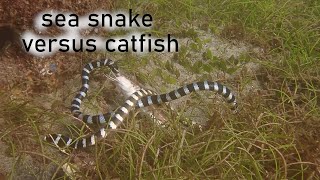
x: 275, y: 135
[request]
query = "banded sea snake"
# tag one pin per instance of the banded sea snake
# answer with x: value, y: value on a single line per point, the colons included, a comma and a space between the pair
x: 138, y: 99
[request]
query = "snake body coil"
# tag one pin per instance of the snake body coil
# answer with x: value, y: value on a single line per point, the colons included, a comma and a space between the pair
x: 139, y: 99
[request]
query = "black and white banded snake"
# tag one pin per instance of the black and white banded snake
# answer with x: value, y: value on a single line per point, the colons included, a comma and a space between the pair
x: 138, y: 98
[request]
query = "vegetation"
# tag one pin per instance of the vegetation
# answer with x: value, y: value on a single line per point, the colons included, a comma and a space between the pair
x: 274, y: 135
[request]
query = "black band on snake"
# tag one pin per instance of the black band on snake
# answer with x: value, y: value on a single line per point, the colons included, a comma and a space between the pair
x: 139, y: 99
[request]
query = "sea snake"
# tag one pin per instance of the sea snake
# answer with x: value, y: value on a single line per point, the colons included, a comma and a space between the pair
x: 138, y: 99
